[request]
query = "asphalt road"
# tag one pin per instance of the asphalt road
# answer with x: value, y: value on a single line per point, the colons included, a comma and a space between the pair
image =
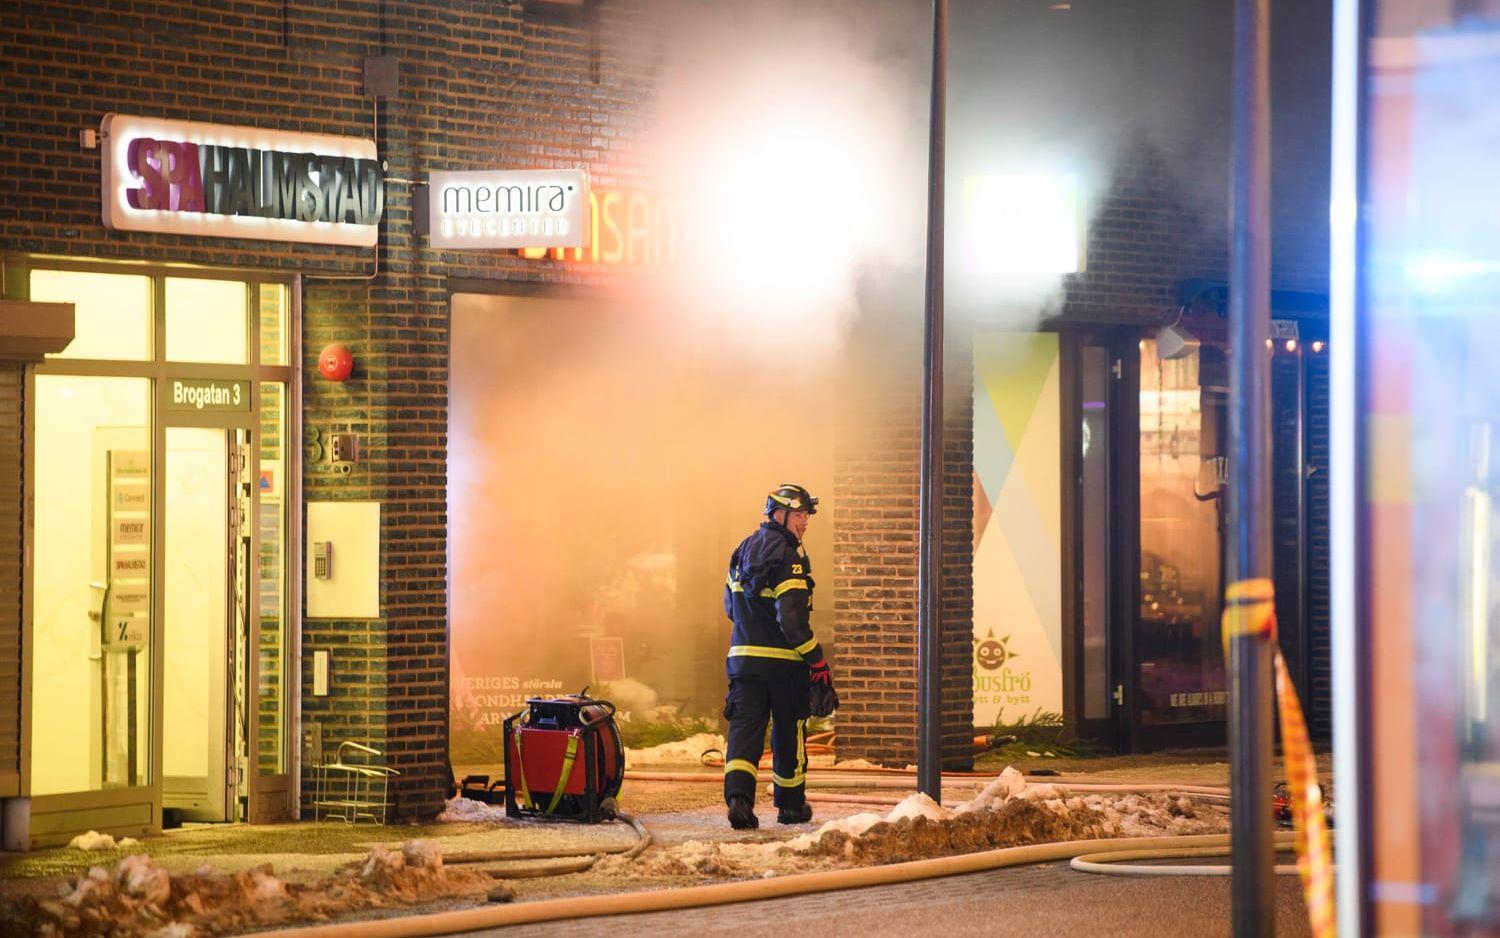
x: 1045, y: 900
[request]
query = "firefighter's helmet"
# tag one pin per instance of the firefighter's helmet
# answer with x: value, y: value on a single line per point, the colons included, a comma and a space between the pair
x: 792, y: 498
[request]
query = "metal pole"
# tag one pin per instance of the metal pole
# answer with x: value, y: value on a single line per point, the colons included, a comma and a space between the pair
x: 930, y: 546
x: 1250, y: 478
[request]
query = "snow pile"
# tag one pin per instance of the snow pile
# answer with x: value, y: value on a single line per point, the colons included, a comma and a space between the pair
x: 1008, y: 784
x: 683, y: 751
x: 918, y: 805
x: 423, y: 854
x: 141, y: 878
x: 1007, y: 812
x: 384, y: 866
x: 467, y: 809
x: 854, y: 825
x: 137, y: 898
x: 93, y: 840
x: 851, y: 763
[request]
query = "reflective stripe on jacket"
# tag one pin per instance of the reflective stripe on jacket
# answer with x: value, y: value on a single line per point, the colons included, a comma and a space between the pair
x: 768, y: 597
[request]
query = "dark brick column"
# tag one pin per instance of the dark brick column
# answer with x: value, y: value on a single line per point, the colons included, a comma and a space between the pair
x: 875, y: 547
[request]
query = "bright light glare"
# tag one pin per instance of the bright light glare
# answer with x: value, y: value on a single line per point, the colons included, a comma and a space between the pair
x: 1020, y: 224
x: 794, y: 211
x: 790, y: 174
x: 1434, y: 273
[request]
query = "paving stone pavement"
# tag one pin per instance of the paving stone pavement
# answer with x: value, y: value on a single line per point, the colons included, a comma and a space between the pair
x: 1048, y: 899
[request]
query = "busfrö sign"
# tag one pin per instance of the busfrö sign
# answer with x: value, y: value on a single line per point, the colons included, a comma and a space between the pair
x: 184, y: 177
x: 542, y: 208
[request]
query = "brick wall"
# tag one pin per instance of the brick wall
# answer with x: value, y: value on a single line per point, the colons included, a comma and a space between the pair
x: 876, y: 491
x: 482, y: 84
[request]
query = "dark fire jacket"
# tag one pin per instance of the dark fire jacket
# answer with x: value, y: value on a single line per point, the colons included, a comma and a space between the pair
x: 768, y: 597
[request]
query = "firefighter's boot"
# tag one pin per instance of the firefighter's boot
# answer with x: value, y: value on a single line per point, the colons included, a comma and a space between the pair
x: 798, y: 814
x: 742, y: 813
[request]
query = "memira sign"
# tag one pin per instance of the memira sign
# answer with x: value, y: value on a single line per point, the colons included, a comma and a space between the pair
x: 536, y: 208
x: 183, y: 177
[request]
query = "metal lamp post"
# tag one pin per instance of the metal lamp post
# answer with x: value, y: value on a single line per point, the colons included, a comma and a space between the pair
x: 930, y: 532
x: 1250, y: 479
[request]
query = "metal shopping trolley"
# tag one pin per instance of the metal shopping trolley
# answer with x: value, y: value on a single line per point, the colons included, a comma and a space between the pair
x: 347, y: 790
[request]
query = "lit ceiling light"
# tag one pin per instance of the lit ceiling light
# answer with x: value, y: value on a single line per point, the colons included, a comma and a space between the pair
x: 1318, y: 346
x: 1291, y: 345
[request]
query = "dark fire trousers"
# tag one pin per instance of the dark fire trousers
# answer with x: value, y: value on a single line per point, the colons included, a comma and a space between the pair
x: 751, y: 701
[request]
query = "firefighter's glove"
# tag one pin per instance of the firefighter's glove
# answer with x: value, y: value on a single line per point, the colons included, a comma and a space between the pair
x: 822, y: 699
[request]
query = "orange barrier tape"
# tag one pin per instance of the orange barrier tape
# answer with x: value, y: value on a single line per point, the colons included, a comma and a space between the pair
x: 1314, y: 849
x: 1250, y: 610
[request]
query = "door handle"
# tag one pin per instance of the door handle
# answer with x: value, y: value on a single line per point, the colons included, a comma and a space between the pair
x: 1119, y: 695
x: 103, y: 600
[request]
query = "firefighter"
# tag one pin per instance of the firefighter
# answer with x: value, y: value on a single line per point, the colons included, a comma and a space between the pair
x: 773, y: 658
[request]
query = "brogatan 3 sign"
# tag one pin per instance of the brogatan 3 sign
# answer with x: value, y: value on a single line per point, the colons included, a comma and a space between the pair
x: 184, y: 177
x: 538, y: 208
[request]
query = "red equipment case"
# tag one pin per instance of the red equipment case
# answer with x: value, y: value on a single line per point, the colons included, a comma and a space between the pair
x: 563, y: 759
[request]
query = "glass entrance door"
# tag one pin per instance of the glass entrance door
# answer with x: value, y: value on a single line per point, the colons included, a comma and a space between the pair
x: 1101, y: 464
x: 91, y: 569
x: 205, y: 606
x: 1097, y: 689
x: 161, y: 526
x: 1184, y: 471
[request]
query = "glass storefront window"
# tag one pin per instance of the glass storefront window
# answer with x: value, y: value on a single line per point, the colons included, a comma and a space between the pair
x: 158, y: 584
x: 1095, y: 549
x: 544, y: 388
x: 92, y: 584
x: 207, y: 320
x: 111, y: 312
x: 1177, y: 631
x: 273, y: 323
x: 271, y: 563
x: 196, y: 585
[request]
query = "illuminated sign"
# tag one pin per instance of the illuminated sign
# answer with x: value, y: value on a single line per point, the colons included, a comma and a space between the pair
x: 184, y: 177
x: 624, y: 228
x: 209, y: 394
x: 1021, y: 224
x: 544, y: 208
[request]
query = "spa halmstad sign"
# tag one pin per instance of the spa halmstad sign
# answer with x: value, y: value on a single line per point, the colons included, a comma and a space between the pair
x: 183, y: 177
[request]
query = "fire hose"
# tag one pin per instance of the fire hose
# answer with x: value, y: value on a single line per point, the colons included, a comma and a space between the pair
x: 580, y: 907
x: 1100, y: 856
x: 1115, y: 862
x: 1097, y: 856
x: 829, y: 778
x: 580, y: 861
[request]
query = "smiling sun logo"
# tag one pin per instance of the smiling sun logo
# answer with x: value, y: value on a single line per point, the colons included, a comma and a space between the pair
x: 991, y: 653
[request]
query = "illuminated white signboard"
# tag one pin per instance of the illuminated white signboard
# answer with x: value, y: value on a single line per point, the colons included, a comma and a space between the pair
x: 542, y: 208
x: 183, y: 177
x: 1026, y: 224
